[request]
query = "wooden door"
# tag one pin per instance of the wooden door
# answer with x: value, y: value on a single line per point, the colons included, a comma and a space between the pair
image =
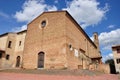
x: 18, y: 61
x: 41, y: 60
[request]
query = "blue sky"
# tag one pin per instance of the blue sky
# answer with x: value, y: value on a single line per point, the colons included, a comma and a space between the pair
x: 100, y: 16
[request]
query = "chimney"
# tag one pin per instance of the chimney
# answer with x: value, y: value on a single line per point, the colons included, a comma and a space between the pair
x: 96, y: 40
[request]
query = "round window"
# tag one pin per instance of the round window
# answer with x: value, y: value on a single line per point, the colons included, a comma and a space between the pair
x: 43, y: 24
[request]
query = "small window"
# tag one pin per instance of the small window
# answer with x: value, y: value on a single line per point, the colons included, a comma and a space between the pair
x: 9, y: 44
x: 7, y: 57
x: 0, y: 55
x: 70, y: 46
x: 118, y: 50
x: 118, y: 61
x: 20, y: 43
x: 43, y: 24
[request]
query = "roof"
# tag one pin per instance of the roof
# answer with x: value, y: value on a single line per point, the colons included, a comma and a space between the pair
x: 95, y: 56
x: 78, y: 26
x: 116, y: 46
x: 99, y: 57
x: 3, y: 34
x: 12, y: 32
x: 22, y: 31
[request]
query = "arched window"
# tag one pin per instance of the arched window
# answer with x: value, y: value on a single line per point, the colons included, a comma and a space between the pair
x: 7, y: 57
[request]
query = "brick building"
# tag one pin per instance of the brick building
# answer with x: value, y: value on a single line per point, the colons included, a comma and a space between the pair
x: 53, y: 40
x: 116, y: 56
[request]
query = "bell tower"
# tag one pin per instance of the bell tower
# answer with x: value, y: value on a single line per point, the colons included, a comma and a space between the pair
x: 96, y: 40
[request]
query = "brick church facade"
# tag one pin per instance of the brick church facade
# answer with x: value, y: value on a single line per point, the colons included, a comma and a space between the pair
x: 54, y: 40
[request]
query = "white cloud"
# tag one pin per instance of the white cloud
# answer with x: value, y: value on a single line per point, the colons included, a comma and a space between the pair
x: 108, y: 39
x: 18, y: 29
x: 106, y: 57
x: 86, y: 12
x: 31, y: 9
x: 4, y: 15
x: 111, y: 26
x: 51, y: 8
x: 56, y: 1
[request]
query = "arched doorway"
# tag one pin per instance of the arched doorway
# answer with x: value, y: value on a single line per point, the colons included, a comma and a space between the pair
x: 41, y: 60
x: 18, y: 61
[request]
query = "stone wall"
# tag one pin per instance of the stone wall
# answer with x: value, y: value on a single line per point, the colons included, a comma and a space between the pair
x: 116, y: 56
x: 100, y: 67
x: 3, y: 41
x: 79, y: 41
x: 13, y: 51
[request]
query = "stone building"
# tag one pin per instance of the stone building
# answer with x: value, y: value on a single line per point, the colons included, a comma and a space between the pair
x: 53, y: 40
x: 11, y: 49
x: 116, y: 56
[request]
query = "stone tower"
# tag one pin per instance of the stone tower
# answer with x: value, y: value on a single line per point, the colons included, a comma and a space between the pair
x: 96, y: 40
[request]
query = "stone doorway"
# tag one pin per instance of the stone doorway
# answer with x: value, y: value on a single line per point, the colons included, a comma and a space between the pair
x: 18, y: 61
x: 41, y: 60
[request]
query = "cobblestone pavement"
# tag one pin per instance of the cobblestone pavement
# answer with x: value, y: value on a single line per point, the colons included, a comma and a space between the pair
x: 23, y: 76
